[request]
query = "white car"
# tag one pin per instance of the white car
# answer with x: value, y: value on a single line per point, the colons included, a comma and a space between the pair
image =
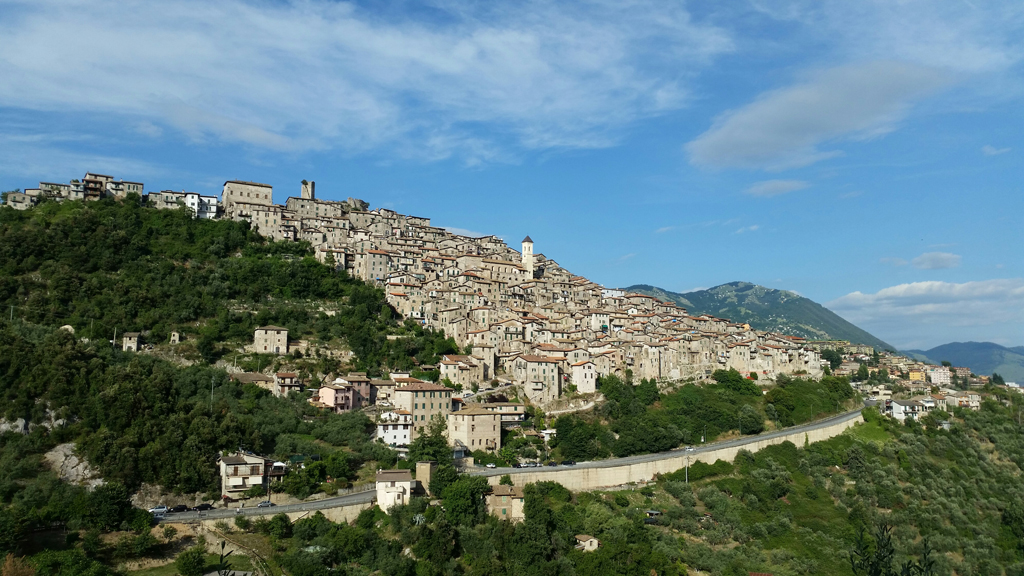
x: 491, y: 465
x: 161, y: 509
x: 690, y: 449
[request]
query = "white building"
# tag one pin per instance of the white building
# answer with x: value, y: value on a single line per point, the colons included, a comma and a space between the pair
x: 394, y: 488
x: 584, y: 377
x: 395, y: 428
x: 939, y: 375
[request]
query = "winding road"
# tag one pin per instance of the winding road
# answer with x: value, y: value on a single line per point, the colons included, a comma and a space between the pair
x: 369, y: 495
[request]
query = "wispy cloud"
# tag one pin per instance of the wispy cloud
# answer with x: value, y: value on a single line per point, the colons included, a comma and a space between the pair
x: 932, y: 313
x: 664, y: 229
x: 744, y: 229
x: 319, y: 74
x: 785, y: 128
x: 626, y: 257
x: 851, y: 194
x: 993, y: 151
x: 770, y: 188
x: 936, y: 261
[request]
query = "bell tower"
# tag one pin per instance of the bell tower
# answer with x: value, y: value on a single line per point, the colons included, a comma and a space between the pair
x: 528, y: 256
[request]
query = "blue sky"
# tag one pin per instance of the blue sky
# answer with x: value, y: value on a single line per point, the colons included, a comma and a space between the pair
x: 864, y: 154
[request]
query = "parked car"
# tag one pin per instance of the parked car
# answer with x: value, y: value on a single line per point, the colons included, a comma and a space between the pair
x: 265, y: 504
x: 161, y: 509
x: 491, y: 465
x: 179, y: 508
x: 517, y: 465
x: 203, y: 507
x: 568, y: 462
x: 690, y: 448
x: 552, y: 463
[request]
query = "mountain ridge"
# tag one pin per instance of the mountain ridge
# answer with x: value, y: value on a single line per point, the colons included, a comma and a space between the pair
x: 769, y: 309
x: 982, y: 358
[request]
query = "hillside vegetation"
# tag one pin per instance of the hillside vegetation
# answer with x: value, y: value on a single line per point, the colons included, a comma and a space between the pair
x: 106, y: 266
x: 881, y: 499
x: 767, y: 309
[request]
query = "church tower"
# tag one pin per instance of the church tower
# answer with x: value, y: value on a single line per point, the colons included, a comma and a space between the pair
x: 528, y: 256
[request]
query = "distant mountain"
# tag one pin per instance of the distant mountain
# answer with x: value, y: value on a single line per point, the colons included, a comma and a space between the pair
x: 767, y: 309
x: 982, y: 358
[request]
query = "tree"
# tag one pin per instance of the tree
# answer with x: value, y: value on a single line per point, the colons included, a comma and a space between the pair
x: 505, y: 480
x: 192, y: 562
x: 463, y: 498
x: 947, y: 363
x: 751, y: 421
x: 753, y: 375
x: 997, y: 380
x: 432, y: 445
x: 862, y: 373
x: 878, y: 558
x: 834, y: 357
x: 733, y: 380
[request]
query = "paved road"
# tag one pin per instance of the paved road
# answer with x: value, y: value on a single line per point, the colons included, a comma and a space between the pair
x: 221, y: 513
x: 614, y: 462
x: 369, y: 495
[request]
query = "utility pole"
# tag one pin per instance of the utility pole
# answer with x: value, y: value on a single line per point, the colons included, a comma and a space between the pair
x: 687, y: 468
x: 212, y: 380
x: 114, y: 343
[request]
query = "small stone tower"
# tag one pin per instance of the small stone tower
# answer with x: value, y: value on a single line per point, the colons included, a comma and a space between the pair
x: 308, y: 190
x: 528, y: 256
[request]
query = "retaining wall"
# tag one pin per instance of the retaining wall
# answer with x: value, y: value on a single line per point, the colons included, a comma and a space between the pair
x: 577, y: 479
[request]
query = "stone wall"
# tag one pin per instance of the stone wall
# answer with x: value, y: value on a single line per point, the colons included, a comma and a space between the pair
x: 577, y: 479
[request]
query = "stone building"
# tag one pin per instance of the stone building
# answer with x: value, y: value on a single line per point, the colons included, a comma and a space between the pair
x: 476, y: 428
x: 270, y: 340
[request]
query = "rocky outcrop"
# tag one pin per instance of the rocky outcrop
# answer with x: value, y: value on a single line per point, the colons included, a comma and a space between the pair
x: 71, y: 468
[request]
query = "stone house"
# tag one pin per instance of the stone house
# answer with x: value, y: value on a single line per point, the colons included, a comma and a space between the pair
x: 587, y: 543
x: 270, y: 340
x: 130, y: 342
x: 423, y: 400
x: 476, y: 428
x: 506, y: 503
x: 336, y: 396
x: 462, y: 370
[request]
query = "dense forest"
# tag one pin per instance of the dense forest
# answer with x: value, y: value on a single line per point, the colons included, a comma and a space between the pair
x: 108, y: 265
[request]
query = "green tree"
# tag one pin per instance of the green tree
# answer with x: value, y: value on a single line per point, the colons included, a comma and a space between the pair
x: 862, y: 373
x: 463, y: 499
x: 751, y: 421
x: 505, y: 480
x: 432, y: 445
x: 997, y: 380
x: 191, y: 562
x: 834, y: 357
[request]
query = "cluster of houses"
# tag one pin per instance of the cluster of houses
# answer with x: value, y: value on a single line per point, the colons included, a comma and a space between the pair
x: 526, y: 320
x: 96, y: 186
x: 917, y: 406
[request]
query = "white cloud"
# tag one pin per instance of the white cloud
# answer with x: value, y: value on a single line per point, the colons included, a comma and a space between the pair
x: 936, y: 261
x: 664, y: 229
x: 852, y: 194
x: 784, y: 128
x: 931, y: 313
x: 753, y: 228
x: 626, y: 257
x: 770, y: 188
x: 462, y: 79
x: 993, y: 151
